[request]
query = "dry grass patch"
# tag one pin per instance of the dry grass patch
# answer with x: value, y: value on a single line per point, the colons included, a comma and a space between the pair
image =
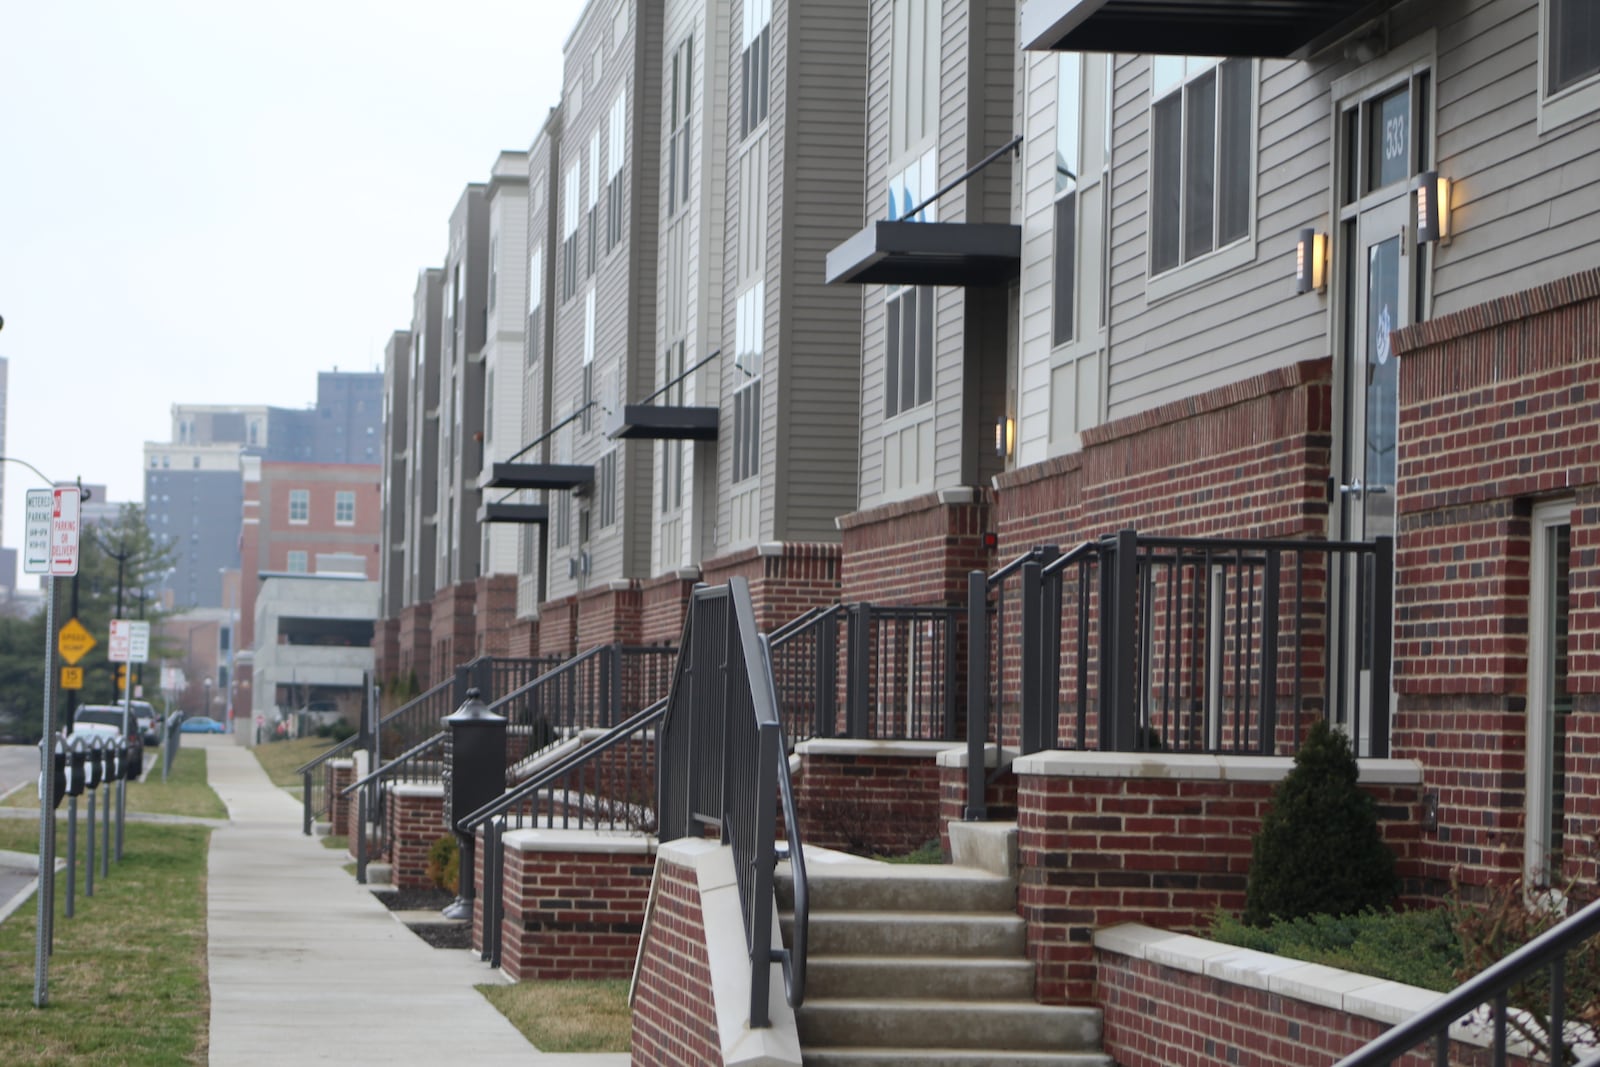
x: 280, y: 758
x: 567, y: 1016
x: 128, y: 976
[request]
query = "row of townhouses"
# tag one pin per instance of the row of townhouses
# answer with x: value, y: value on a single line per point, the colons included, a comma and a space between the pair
x: 855, y: 297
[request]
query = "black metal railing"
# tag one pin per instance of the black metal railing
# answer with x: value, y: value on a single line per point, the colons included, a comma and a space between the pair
x: 315, y: 800
x: 723, y: 763
x: 592, y: 691
x: 417, y: 719
x: 805, y: 669
x: 1215, y: 645
x: 1545, y: 953
x: 420, y: 763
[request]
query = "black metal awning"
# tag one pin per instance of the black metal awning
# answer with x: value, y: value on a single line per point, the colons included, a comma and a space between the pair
x: 929, y: 253
x: 649, y: 422
x: 539, y: 476
x: 525, y: 514
x: 1283, y: 29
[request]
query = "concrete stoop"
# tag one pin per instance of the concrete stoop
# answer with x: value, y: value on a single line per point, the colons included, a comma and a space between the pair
x: 926, y: 965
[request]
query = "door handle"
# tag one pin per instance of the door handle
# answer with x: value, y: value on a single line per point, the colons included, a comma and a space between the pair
x: 1357, y: 490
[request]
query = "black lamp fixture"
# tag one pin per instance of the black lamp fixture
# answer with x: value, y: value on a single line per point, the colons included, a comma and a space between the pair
x: 1311, y: 262
x: 1005, y: 436
x: 1433, y: 208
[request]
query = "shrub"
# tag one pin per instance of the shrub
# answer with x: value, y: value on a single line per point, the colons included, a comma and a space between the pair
x: 444, y: 863
x: 1415, y: 947
x: 1319, y: 851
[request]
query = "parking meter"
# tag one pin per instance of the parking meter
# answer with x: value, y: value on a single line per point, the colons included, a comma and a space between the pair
x: 94, y: 764
x: 60, y: 767
x: 76, y: 757
x: 119, y: 759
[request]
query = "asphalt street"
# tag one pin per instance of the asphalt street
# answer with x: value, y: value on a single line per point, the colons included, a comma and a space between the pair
x: 18, y: 764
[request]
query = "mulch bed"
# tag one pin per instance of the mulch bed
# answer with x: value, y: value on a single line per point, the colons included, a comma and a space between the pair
x: 416, y: 899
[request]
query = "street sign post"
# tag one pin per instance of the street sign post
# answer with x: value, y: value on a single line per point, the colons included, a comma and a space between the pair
x: 74, y: 642
x: 64, y: 531
x: 36, y: 555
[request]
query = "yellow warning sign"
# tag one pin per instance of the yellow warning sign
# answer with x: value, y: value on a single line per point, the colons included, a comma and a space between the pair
x: 74, y: 642
x: 72, y: 677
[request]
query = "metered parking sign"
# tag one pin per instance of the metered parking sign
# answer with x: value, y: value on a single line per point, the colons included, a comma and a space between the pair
x: 41, y: 508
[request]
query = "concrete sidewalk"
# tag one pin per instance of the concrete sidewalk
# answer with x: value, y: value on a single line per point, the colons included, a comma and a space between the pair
x: 307, y: 967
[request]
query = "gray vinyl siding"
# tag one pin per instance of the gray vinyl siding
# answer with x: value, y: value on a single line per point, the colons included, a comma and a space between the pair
x: 504, y: 343
x: 396, y: 437
x: 816, y: 369
x: 544, y: 174
x: 422, y: 455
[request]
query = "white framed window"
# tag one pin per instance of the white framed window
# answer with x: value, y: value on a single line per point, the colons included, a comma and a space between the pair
x: 1068, y: 155
x: 672, y: 451
x: 680, y: 97
x: 571, y: 208
x: 1202, y: 156
x: 494, y: 267
x: 750, y: 315
x: 1549, y: 709
x: 534, y: 337
x: 616, y: 152
x: 594, y: 192
x: 299, y: 505
x: 344, y: 507
x: 605, y: 489
x: 296, y: 563
x: 908, y: 363
x: 1569, y: 61
x: 587, y: 382
x: 755, y: 65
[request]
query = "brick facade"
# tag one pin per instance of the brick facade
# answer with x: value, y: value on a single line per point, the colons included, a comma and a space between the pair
x: 494, y: 612
x: 415, y: 650
x: 868, y: 798
x: 522, y: 638
x: 339, y: 773
x: 609, y: 614
x: 674, y: 1013
x: 574, y: 904
x: 916, y: 551
x: 413, y: 821
x: 558, y: 627
x: 1499, y: 410
x: 1104, y: 839
x: 386, y: 648
x: 452, y: 632
x: 787, y: 578
x: 664, y: 601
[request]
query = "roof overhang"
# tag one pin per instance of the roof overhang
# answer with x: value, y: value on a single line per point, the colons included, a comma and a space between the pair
x: 648, y: 422
x: 525, y: 514
x: 929, y: 253
x: 1281, y: 29
x: 539, y: 476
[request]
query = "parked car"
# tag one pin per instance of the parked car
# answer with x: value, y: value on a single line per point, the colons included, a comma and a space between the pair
x: 123, y: 720
x: 149, y: 721
x: 200, y: 724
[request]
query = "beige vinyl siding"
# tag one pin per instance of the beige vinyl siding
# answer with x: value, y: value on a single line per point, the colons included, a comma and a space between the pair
x: 814, y: 367
x: 504, y: 347
x: 543, y: 192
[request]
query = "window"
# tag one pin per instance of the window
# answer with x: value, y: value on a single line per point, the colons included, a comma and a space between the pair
x: 535, y: 304
x: 494, y: 266
x: 594, y: 191
x: 605, y: 489
x: 750, y: 317
x: 344, y: 507
x: 588, y: 361
x: 617, y: 149
x: 672, y: 451
x: 299, y: 505
x: 570, y: 189
x: 755, y: 62
x: 1569, y: 60
x: 680, y: 95
x: 297, y: 562
x: 1200, y: 180
x: 1069, y: 105
x: 908, y: 366
x: 561, y: 502
x: 914, y: 76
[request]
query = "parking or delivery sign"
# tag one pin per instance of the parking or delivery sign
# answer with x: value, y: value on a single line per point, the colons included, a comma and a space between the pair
x: 41, y: 507
x: 64, y: 531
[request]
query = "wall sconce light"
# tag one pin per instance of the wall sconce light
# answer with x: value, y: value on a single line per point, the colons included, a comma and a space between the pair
x: 1433, y: 208
x: 1005, y: 436
x: 1311, y: 262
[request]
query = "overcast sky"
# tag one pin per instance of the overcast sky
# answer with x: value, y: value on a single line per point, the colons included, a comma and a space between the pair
x: 208, y: 202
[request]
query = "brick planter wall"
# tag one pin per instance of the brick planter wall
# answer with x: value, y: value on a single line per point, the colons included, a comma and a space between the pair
x: 609, y: 613
x: 339, y: 773
x: 416, y: 644
x: 916, y: 551
x: 787, y: 578
x: 386, y: 648
x: 1106, y: 838
x: 1499, y: 409
x: 1169, y: 1002
x: 674, y: 1012
x: 413, y: 821
x: 494, y: 613
x: 574, y: 903
x: 664, y: 601
x: 522, y: 638
x: 453, y: 631
x: 558, y: 627
x: 1000, y: 792
x: 868, y: 797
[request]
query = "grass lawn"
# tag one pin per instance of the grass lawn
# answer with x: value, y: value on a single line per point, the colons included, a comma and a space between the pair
x: 280, y: 758
x: 128, y: 976
x: 184, y: 793
x: 567, y: 1016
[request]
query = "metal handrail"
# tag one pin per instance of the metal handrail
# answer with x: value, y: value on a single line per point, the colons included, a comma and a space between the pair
x: 794, y: 959
x: 684, y: 374
x: 800, y: 623
x: 1490, y: 986
x: 395, y: 764
x: 548, y: 676
x: 564, y: 766
x: 328, y: 753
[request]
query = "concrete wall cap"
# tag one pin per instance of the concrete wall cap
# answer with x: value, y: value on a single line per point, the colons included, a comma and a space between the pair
x: 960, y: 494
x: 587, y: 841
x: 848, y: 746
x: 1198, y: 767
x: 418, y: 789
x: 992, y: 756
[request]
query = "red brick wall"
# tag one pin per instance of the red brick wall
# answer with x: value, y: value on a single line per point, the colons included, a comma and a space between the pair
x: 386, y: 648
x: 522, y: 638
x: 1499, y: 409
x: 572, y: 915
x: 412, y: 824
x: 340, y: 773
x: 786, y: 579
x: 452, y: 630
x: 1097, y: 851
x: 1000, y: 796
x: 664, y: 601
x: 558, y: 627
x: 674, y: 1015
x: 494, y: 612
x: 609, y: 614
x: 868, y: 805
x: 915, y: 551
x: 416, y: 644
x: 1157, y: 1016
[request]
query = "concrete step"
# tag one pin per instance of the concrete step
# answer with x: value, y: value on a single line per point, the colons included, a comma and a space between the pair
x: 900, y: 887
x: 994, y: 1026
x: 949, y: 1057
x: 894, y: 933
x: 940, y: 977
